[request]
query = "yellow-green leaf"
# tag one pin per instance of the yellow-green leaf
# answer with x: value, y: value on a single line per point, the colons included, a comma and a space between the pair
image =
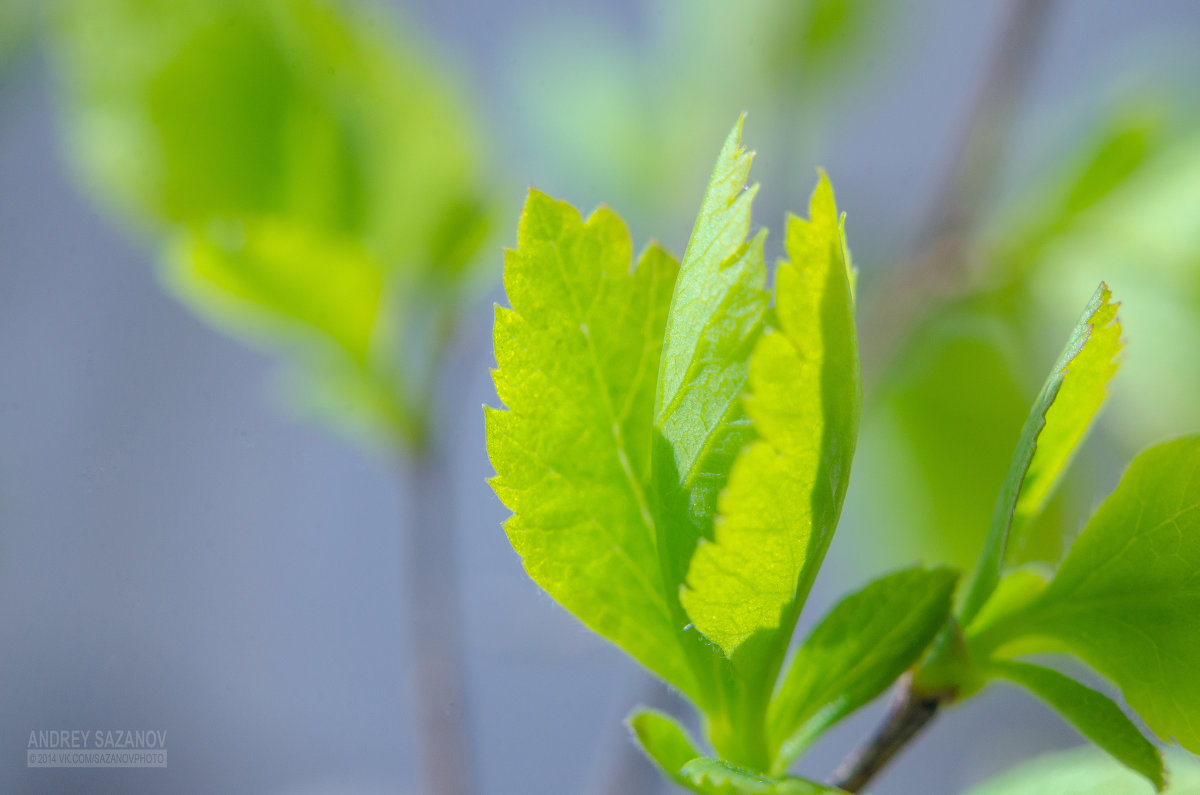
x: 1061, y: 415
x: 781, y: 506
x: 576, y: 358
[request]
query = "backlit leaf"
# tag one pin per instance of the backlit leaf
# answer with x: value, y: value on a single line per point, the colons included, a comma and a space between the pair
x: 576, y: 358
x: 1061, y: 415
x: 779, y: 511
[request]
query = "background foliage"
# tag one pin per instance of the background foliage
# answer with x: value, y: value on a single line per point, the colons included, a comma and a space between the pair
x: 205, y: 556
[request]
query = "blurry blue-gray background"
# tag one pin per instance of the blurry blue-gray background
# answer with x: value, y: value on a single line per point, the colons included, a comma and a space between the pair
x: 176, y: 553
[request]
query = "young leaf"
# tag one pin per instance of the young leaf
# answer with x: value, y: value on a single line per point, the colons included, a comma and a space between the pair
x: 1092, y: 713
x: 715, y: 317
x: 1061, y: 415
x: 576, y: 357
x: 667, y: 745
x: 857, y: 651
x: 722, y: 778
x: 777, y: 515
x: 1127, y: 598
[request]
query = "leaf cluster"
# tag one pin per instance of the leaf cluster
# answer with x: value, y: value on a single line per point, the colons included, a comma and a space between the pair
x: 675, y: 449
x: 312, y: 183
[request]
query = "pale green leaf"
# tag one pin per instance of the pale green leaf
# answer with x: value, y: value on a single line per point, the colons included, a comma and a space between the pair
x: 1092, y: 713
x: 576, y: 358
x: 1085, y: 771
x: 272, y: 279
x: 721, y: 778
x: 780, y: 508
x: 180, y: 111
x: 667, y: 744
x: 1061, y: 415
x: 716, y: 316
x: 1127, y: 598
x: 857, y: 651
x: 1085, y: 376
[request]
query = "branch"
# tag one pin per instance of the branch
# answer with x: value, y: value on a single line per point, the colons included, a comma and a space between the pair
x: 908, y: 715
x: 432, y: 602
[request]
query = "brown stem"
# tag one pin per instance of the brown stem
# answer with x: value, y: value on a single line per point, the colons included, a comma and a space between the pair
x: 432, y: 603
x: 908, y: 714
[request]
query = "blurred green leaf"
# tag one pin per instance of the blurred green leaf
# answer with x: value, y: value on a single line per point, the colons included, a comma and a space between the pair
x: 808, y: 39
x: 857, y: 651
x: 1126, y: 598
x: 313, y: 111
x: 303, y: 162
x: 1097, y: 169
x: 939, y: 434
x: 271, y: 278
x: 1083, y: 771
x: 1092, y: 713
x: 16, y: 29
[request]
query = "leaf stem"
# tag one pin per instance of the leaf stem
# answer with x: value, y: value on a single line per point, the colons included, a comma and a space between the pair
x: 909, y: 713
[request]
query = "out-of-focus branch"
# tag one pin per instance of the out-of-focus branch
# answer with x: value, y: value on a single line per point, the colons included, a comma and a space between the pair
x: 434, y: 619
x: 939, y: 269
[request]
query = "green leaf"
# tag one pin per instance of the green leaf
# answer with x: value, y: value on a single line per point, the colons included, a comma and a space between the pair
x: 666, y: 743
x: 1092, y: 713
x: 716, y: 316
x: 272, y: 279
x: 576, y: 358
x: 299, y: 160
x: 1085, y: 771
x: 186, y: 110
x: 722, y: 778
x: 857, y: 651
x: 779, y: 511
x: 1061, y: 415
x: 1127, y: 598
x: 1085, y: 375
